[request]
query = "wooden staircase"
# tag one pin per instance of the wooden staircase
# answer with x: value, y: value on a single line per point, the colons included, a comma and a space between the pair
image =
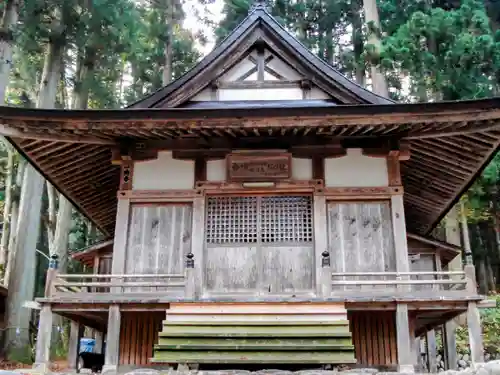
x: 255, y: 333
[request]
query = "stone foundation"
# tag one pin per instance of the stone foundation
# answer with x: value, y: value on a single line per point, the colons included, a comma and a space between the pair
x: 489, y: 368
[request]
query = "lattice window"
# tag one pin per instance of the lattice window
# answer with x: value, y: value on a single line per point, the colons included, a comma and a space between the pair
x: 286, y: 219
x: 231, y: 220
x: 263, y: 219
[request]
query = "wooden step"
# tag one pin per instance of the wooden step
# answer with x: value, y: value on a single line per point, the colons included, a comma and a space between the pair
x: 257, y: 317
x: 260, y: 333
x: 221, y: 357
x: 256, y: 309
x: 246, y: 344
x: 261, y: 322
x: 255, y: 331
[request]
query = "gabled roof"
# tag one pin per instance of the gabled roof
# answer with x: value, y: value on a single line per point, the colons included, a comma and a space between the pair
x: 259, y: 27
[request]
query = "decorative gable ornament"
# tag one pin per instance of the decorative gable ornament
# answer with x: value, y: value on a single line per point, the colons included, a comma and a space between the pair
x: 259, y: 4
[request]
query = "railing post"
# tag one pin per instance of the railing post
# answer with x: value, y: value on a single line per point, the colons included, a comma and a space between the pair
x: 190, y: 290
x: 326, y: 275
x: 470, y: 277
x: 52, y: 272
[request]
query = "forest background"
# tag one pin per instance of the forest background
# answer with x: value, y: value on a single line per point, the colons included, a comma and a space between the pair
x: 97, y: 54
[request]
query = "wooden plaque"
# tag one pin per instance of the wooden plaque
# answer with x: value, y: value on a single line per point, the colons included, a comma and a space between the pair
x: 259, y: 167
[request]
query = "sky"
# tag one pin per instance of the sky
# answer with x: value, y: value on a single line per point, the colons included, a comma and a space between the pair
x: 213, y: 12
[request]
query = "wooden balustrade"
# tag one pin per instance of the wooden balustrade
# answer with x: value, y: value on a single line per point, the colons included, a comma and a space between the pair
x: 439, y: 281
x: 140, y: 283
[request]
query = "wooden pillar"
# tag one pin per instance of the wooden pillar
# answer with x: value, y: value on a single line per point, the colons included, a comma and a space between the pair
x: 323, y: 270
x: 399, y: 229
x: 452, y: 231
x: 190, y: 275
x: 197, y: 241
x: 112, y: 340
x: 120, y: 241
x: 431, y: 350
x: 403, y: 338
x: 73, y: 344
x: 450, y: 344
x: 42, y: 357
x: 452, y: 227
x: 475, y: 333
x: 99, y: 341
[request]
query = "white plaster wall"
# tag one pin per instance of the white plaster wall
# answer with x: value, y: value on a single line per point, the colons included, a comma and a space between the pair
x: 164, y: 173
x: 203, y: 96
x: 283, y: 68
x: 216, y: 170
x: 317, y: 93
x: 356, y: 170
x: 239, y: 69
x: 291, y: 93
x: 302, y: 169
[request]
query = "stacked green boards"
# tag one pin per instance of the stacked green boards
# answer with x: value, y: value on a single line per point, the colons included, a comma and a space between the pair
x: 255, y: 341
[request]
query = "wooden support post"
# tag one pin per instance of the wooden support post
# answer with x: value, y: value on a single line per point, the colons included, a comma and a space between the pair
x: 51, y: 276
x: 431, y: 350
x: 470, y: 276
x: 42, y: 357
x: 190, y: 277
x: 197, y: 241
x: 113, y: 340
x: 405, y: 363
x: 74, y: 344
x: 450, y: 344
x: 323, y: 272
x: 120, y: 241
x: 475, y: 334
x: 99, y: 341
x: 452, y: 231
x: 326, y: 275
x: 400, y: 240
x: 452, y: 227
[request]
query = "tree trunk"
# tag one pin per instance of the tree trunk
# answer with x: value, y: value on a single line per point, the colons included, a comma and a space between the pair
x: 379, y: 82
x: 51, y: 213
x: 8, y: 23
x: 28, y: 229
x: 357, y: 41
x: 14, y: 216
x: 91, y: 232
x: 81, y: 96
x: 63, y: 226
x: 21, y: 288
x: 4, y: 240
x: 169, y: 19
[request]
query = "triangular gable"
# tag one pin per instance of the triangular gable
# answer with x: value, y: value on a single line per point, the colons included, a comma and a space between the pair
x: 260, y: 31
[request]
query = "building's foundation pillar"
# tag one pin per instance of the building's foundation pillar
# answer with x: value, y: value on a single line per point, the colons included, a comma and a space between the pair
x: 99, y: 341
x: 403, y: 338
x: 475, y: 334
x: 42, y: 357
x: 450, y: 345
x: 112, y: 340
x: 431, y: 351
x: 74, y: 344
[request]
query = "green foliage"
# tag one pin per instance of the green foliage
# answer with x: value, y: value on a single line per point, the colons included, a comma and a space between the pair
x: 451, y: 53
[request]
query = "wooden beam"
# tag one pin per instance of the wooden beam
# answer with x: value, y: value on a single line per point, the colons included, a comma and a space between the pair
x: 238, y: 85
x: 11, y: 132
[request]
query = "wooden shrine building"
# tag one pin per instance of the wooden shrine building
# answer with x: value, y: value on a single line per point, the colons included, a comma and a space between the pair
x: 263, y: 210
